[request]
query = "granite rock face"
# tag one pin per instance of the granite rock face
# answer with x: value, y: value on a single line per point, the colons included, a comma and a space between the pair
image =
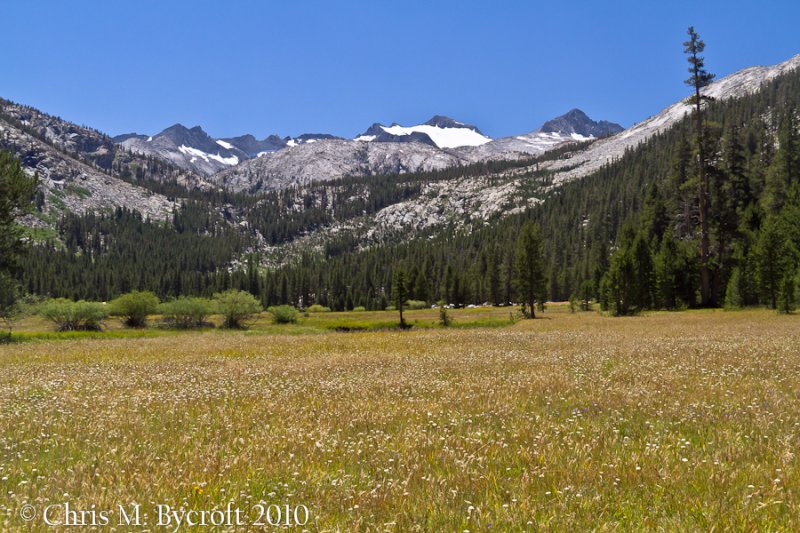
x: 329, y: 159
x: 67, y: 183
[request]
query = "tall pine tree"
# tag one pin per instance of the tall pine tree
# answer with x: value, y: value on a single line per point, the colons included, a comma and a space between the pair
x: 699, y: 79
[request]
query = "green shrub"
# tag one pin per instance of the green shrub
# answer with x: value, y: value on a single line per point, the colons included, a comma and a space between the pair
x: 186, y: 312
x: 573, y: 303
x: 359, y: 309
x: 316, y: 308
x: 236, y: 307
x: 283, y: 314
x: 445, y: 319
x: 74, y: 316
x: 134, y: 307
x: 416, y: 304
x: 391, y: 308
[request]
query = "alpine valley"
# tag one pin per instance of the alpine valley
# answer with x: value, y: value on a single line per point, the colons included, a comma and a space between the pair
x: 323, y: 219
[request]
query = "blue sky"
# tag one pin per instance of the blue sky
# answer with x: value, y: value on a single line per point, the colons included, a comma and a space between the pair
x: 319, y: 66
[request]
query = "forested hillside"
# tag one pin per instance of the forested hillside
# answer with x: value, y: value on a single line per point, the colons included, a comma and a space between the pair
x: 627, y: 235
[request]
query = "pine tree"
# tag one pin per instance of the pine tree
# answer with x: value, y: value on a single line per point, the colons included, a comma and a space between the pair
x: 785, y: 167
x: 421, y: 286
x: 530, y: 278
x: 599, y: 258
x: 620, y: 283
x: 786, y: 296
x: 17, y: 191
x: 654, y: 217
x: 733, y: 292
x: 682, y: 201
x: 643, y: 261
x: 400, y: 293
x: 774, y: 257
x: 666, y: 269
x: 699, y: 79
x: 737, y: 184
x: 494, y: 275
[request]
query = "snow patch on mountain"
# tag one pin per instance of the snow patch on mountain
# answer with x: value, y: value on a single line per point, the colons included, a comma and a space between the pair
x: 194, y: 152
x: 442, y: 137
x: 440, y: 131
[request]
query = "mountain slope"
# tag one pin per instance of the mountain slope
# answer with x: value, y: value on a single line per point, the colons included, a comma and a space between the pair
x: 192, y: 149
x: 80, y: 169
x: 572, y: 127
x: 604, y: 151
x: 328, y: 159
x: 471, y: 201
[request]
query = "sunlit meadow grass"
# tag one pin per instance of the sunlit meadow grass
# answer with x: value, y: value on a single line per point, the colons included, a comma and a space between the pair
x: 671, y: 421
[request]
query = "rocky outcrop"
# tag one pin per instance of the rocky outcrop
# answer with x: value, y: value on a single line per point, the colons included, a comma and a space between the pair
x: 67, y: 183
x: 329, y: 159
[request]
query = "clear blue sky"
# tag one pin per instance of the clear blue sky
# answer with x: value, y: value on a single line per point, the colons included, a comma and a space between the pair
x: 319, y: 66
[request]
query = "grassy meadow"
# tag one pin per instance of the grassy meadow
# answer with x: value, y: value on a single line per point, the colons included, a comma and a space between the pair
x: 668, y: 421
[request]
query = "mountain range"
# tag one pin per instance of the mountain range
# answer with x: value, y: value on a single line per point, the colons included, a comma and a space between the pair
x: 317, y: 219
x: 83, y: 170
x: 193, y: 149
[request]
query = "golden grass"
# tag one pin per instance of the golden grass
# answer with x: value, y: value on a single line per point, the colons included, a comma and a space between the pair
x: 671, y: 421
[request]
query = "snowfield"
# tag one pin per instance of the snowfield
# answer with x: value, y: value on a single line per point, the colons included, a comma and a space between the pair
x: 442, y: 137
x: 194, y: 152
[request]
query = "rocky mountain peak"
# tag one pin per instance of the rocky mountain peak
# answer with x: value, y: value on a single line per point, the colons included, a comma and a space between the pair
x: 252, y: 147
x: 378, y: 133
x: 195, y: 137
x: 441, y: 121
x: 576, y: 121
x: 125, y: 136
x: 316, y: 137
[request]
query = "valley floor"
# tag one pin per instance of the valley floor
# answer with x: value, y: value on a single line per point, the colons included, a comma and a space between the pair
x: 672, y: 421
